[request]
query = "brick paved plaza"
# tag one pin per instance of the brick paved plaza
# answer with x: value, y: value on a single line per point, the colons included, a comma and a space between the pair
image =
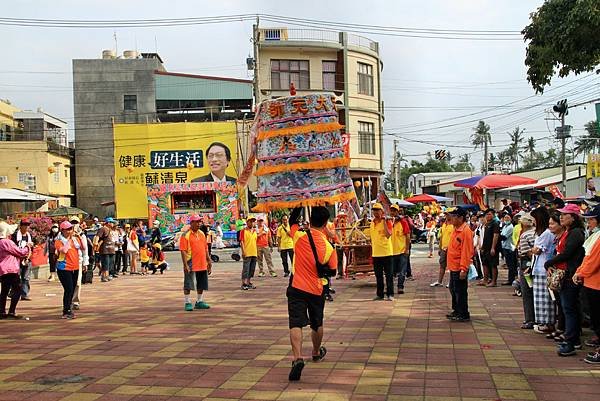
x: 132, y: 340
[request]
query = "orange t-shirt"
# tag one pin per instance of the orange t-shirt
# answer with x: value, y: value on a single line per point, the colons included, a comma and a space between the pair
x: 194, y: 243
x: 262, y: 238
x: 71, y: 257
x: 460, y: 249
x: 304, y: 270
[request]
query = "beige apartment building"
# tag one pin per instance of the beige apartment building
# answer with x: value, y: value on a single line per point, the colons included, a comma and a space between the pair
x: 343, y: 64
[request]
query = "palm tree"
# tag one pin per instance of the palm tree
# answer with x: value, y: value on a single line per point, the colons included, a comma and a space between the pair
x: 504, y: 160
x: 590, y: 142
x: 481, y: 139
x: 516, y: 138
x: 530, y: 148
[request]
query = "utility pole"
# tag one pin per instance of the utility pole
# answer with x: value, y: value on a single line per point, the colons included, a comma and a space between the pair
x: 255, y: 82
x: 562, y: 133
x: 396, y: 168
x: 485, y: 156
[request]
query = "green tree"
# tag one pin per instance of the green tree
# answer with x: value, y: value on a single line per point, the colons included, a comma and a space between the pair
x: 531, y: 156
x: 464, y: 164
x: 590, y: 142
x: 514, y: 149
x: 492, y: 162
x: 481, y: 139
x: 562, y: 37
x: 504, y: 160
x: 550, y: 159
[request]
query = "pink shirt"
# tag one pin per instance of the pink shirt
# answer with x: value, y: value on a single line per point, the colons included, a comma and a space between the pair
x: 10, y: 256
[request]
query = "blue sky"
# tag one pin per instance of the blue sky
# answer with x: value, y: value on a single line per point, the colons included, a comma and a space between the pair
x: 428, y: 75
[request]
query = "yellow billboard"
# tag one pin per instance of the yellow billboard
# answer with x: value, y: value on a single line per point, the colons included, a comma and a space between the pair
x: 592, y: 185
x: 169, y: 153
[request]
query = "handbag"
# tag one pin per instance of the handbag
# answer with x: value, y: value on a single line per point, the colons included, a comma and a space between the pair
x: 555, y: 278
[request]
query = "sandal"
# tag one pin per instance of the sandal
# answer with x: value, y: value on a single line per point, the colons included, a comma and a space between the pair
x: 322, y: 353
x: 527, y: 326
x: 296, y: 371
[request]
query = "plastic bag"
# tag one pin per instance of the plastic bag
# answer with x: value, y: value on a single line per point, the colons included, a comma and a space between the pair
x: 472, y: 274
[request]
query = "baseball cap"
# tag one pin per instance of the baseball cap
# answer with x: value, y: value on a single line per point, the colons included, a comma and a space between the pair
x: 156, y: 223
x: 109, y: 220
x: 157, y: 246
x: 457, y: 211
x: 395, y: 207
x: 74, y: 219
x: 127, y: 225
x: 195, y: 217
x: 65, y: 225
x: 25, y: 222
x: 377, y: 206
x: 571, y: 209
x: 251, y: 219
x: 95, y: 219
x: 593, y: 213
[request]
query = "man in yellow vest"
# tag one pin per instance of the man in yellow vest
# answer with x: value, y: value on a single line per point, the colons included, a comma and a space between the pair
x: 400, y: 246
x: 444, y: 234
x: 248, y: 238
x: 381, y: 251
x: 285, y: 244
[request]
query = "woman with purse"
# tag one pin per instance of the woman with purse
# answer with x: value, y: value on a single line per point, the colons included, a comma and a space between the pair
x: 555, y: 277
x: 543, y: 249
x: 570, y: 254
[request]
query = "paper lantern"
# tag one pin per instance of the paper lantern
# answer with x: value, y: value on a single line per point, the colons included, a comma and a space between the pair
x: 367, y: 183
x: 357, y: 184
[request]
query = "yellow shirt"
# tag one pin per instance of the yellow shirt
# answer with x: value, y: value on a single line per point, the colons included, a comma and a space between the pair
x: 445, y: 234
x: 248, y: 240
x: 398, y: 239
x: 381, y: 245
x: 285, y: 239
x: 144, y: 257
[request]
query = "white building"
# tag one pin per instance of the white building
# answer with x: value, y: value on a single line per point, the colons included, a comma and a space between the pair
x: 416, y: 182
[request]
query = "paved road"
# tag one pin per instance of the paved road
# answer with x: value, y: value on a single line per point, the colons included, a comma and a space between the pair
x: 132, y: 340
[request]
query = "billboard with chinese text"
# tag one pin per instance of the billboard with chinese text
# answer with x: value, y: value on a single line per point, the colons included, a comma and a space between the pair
x: 169, y: 153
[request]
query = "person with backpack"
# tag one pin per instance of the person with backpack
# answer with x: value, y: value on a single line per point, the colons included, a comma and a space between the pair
x: 196, y: 264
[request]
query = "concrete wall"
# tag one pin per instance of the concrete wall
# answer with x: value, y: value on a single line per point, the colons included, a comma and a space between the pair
x: 98, y: 90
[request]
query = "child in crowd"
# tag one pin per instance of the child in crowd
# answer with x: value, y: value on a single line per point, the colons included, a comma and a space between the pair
x: 144, y: 258
x: 158, y: 260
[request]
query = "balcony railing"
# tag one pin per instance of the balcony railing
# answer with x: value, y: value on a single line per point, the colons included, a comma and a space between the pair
x: 315, y: 35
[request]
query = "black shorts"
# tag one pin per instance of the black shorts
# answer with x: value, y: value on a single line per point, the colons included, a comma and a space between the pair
x: 488, y: 260
x: 197, y: 280
x: 305, y: 308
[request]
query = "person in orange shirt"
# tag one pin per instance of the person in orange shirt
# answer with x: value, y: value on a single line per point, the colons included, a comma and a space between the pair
x: 314, y: 260
x: 382, y: 251
x: 69, y: 251
x: 249, y: 248
x: 196, y: 264
x: 588, y: 274
x: 459, y: 258
x: 265, y: 248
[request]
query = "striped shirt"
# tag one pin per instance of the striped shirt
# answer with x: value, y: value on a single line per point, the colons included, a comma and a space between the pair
x: 526, y: 242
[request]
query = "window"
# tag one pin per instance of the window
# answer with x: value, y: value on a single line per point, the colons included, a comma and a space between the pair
x: 66, y: 173
x: 435, y: 182
x: 23, y: 177
x: 366, y: 138
x: 130, y: 102
x: 56, y: 176
x: 284, y: 72
x: 365, y: 79
x: 329, y: 75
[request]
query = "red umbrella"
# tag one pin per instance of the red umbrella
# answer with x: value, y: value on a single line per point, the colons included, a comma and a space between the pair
x: 427, y: 198
x: 494, y: 181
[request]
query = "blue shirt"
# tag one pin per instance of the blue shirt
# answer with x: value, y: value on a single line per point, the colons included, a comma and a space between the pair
x: 545, y: 242
x: 507, y: 232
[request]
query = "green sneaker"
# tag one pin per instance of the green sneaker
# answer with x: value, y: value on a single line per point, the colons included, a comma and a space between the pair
x: 189, y: 307
x: 261, y: 274
x: 201, y: 305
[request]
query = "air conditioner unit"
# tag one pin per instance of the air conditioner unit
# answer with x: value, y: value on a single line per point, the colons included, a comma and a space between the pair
x: 3, y: 179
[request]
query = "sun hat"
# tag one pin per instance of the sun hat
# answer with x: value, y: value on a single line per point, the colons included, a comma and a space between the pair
x: 593, y: 213
x: 65, y: 225
x: 74, y: 218
x: 195, y: 217
x: 570, y: 209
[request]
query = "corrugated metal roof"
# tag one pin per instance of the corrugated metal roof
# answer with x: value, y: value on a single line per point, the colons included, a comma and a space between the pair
x: 175, y: 86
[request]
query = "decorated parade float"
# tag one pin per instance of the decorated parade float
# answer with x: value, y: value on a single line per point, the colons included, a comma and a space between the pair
x: 299, y: 159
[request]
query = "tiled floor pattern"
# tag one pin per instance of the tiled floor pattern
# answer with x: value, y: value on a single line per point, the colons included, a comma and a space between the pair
x: 133, y: 341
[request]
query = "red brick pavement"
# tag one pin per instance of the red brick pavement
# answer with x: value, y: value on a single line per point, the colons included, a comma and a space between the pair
x: 133, y: 341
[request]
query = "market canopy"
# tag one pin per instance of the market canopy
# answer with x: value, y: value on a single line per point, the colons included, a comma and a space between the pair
x: 66, y: 211
x: 494, y: 181
x: 427, y: 198
x: 397, y: 201
x: 16, y: 195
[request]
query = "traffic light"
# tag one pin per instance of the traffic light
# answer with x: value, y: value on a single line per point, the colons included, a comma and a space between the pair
x: 562, y: 108
x: 440, y: 154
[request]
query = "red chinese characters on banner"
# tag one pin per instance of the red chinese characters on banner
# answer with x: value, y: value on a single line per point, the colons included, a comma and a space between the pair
x: 299, y: 106
x: 553, y: 189
x: 346, y: 143
x: 276, y: 109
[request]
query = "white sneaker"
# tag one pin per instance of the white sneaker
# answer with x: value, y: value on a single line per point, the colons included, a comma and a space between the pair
x: 448, y: 285
x: 389, y: 298
x: 435, y: 284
